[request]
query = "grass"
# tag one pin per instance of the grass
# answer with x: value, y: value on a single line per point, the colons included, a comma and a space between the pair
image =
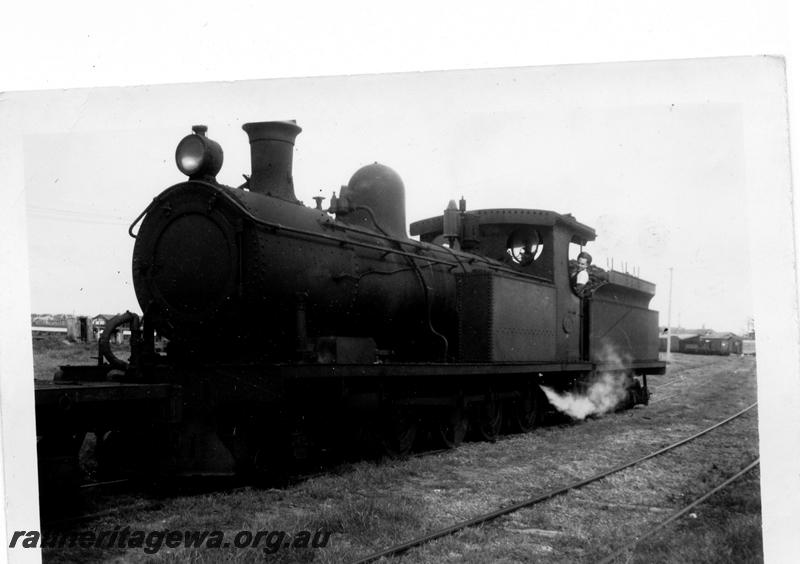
x: 370, y: 506
x: 53, y: 350
x: 727, y: 528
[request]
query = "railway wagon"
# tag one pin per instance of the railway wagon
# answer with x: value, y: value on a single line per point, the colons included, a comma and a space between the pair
x: 295, y: 329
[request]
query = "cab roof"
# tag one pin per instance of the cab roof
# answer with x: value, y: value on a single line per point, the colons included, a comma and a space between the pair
x: 433, y: 226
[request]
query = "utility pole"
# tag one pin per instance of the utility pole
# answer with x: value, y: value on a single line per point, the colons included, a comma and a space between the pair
x: 669, y: 318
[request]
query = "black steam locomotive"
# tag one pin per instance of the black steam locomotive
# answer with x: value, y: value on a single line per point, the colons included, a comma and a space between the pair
x: 292, y: 329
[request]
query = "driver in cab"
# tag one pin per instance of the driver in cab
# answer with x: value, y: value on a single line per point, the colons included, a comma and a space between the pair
x: 580, y: 278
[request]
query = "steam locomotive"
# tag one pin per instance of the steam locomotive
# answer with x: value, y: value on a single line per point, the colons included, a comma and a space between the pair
x: 295, y: 329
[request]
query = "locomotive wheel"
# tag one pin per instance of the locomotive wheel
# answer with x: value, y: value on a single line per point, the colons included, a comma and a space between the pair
x: 642, y: 393
x: 123, y: 453
x: 59, y: 467
x: 398, y: 432
x: 263, y: 458
x: 452, y: 427
x: 525, y: 411
x: 489, y: 419
x: 60, y: 473
x: 636, y: 394
x: 108, y: 452
x: 645, y: 392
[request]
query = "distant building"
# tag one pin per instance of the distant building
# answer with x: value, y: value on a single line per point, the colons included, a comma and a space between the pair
x: 48, y: 320
x: 79, y: 328
x: 99, y: 323
x: 721, y: 343
x: 702, y: 342
x: 677, y: 341
x: 44, y: 320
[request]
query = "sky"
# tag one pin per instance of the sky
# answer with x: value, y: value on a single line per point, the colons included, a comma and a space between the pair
x: 649, y: 154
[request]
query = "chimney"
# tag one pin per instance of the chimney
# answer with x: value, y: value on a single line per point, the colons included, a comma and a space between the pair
x: 271, y: 151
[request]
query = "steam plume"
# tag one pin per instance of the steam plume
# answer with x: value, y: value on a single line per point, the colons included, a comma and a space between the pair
x: 605, y: 393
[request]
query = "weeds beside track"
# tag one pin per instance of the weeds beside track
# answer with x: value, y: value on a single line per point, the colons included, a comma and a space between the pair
x: 481, y: 519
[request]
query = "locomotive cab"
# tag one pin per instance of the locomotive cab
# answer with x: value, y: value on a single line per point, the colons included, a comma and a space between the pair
x: 532, y: 242
x: 529, y: 310
x: 527, y: 306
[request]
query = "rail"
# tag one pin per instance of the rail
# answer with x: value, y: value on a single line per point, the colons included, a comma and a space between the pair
x: 479, y: 520
x: 680, y: 513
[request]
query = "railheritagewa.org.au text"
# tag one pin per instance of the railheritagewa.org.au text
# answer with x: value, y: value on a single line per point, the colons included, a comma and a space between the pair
x: 153, y: 541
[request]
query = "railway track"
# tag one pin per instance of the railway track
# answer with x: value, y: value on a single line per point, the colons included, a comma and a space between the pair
x: 678, y: 514
x: 146, y: 505
x: 487, y: 517
x: 126, y: 486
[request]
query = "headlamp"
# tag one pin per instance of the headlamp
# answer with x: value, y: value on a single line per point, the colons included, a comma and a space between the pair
x: 197, y: 156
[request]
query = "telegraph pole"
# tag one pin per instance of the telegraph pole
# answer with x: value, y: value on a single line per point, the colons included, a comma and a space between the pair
x: 669, y: 318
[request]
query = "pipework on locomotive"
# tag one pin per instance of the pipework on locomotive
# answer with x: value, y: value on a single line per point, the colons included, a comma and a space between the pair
x: 293, y: 328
